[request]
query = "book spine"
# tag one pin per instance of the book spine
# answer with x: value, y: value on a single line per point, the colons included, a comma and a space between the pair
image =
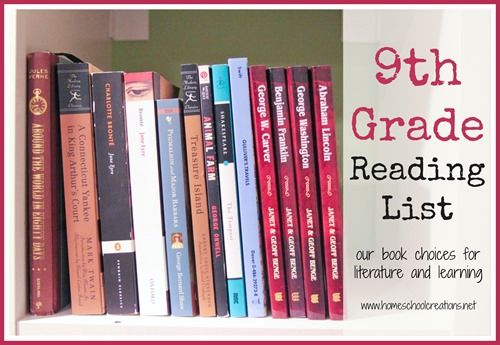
x: 287, y: 191
x: 80, y: 188
x: 247, y: 188
x: 45, y: 183
x: 115, y: 208
x: 228, y: 191
x: 268, y: 187
x: 305, y: 160
x: 176, y: 212
x: 145, y: 193
x: 331, y: 210
x: 198, y: 188
x: 213, y: 191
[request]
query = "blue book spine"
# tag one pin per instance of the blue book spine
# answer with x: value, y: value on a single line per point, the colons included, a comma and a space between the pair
x: 247, y: 188
x: 175, y: 194
x: 228, y: 191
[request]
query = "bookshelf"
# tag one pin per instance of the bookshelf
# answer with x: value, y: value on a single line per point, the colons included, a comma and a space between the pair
x: 88, y: 34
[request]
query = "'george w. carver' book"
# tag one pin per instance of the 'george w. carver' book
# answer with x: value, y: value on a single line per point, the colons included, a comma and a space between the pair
x: 228, y: 191
x: 268, y: 187
x: 213, y: 191
x: 197, y: 188
x: 176, y: 212
x: 247, y: 188
x: 331, y: 211
x: 287, y: 191
x: 80, y: 188
x: 305, y: 167
x: 113, y: 182
x: 49, y: 285
x: 141, y: 91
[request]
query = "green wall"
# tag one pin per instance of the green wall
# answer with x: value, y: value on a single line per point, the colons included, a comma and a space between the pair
x: 270, y: 37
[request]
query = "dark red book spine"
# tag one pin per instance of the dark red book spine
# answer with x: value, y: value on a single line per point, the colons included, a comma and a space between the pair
x: 305, y: 161
x: 45, y: 204
x: 268, y: 188
x: 287, y: 192
x: 331, y: 210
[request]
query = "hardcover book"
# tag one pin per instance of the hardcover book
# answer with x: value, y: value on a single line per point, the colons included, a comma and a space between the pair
x: 268, y: 187
x: 49, y: 284
x: 305, y: 160
x: 141, y: 91
x: 115, y: 208
x: 228, y: 191
x: 331, y: 211
x: 177, y: 216
x: 80, y: 188
x: 197, y: 187
x: 287, y: 191
x: 213, y: 191
x: 247, y: 188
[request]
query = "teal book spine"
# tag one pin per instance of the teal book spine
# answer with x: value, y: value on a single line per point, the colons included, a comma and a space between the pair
x: 251, y: 230
x: 228, y: 191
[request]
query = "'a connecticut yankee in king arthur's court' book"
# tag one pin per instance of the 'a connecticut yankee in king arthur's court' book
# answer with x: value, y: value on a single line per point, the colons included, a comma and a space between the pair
x: 305, y: 161
x: 141, y: 91
x: 80, y: 188
x: 287, y: 191
x: 197, y: 187
x: 176, y: 210
x: 228, y: 191
x: 268, y: 186
x: 213, y: 191
x: 331, y: 210
x: 247, y: 188
x: 115, y: 208
x: 49, y: 284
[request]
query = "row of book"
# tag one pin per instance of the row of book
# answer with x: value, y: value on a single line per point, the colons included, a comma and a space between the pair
x: 225, y: 202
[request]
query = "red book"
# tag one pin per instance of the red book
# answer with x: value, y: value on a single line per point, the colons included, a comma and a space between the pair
x: 49, y: 289
x: 287, y: 192
x: 329, y: 186
x: 305, y: 167
x: 268, y: 188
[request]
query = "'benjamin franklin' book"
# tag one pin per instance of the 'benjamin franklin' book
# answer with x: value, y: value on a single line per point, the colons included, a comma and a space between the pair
x: 80, y: 188
x: 197, y: 188
x: 49, y: 284
x: 115, y: 208
x: 141, y: 91
x: 176, y: 211
x: 228, y: 191
x: 247, y: 188
x: 331, y: 210
x: 287, y: 191
x: 268, y: 187
x: 305, y: 161
x: 213, y: 191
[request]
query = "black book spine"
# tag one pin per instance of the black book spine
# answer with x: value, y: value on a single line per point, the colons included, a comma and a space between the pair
x: 117, y: 239
x: 213, y: 191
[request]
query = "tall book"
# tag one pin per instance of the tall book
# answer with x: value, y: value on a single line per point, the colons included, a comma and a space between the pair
x: 141, y: 91
x: 176, y: 213
x: 113, y: 182
x: 268, y: 187
x: 287, y: 191
x: 80, y: 188
x: 198, y: 189
x: 305, y: 161
x: 331, y: 210
x: 228, y: 191
x: 213, y: 191
x: 247, y: 188
x: 49, y: 285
